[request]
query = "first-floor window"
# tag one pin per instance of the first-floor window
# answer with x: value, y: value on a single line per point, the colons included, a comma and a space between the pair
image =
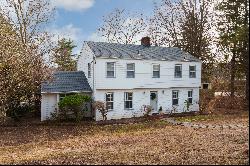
x: 110, y: 101
x: 128, y: 100
x: 190, y: 96
x: 175, y: 97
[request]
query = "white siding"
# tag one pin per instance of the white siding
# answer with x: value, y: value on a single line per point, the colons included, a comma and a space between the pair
x: 48, y: 105
x: 82, y: 63
x: 143, y: 75
x: 140, y: 98
x: 143, y: 82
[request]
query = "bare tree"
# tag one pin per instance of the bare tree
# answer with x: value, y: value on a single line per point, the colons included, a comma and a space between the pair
x: 185, y: 24
x: 25, y: 43
x: 121, y: 27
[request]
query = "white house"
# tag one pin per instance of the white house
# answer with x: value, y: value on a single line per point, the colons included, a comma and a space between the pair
x: 126, y: 77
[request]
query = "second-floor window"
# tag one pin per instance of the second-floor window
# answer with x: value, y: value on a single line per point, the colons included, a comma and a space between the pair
x: 175, y: 97
x: 110, y: 69
x: 128, y: 100
x: 178, y: 71
x: 192, y: 71
x: 130, y: 70
x: 156, y: 71
x: 110, y: 100
x: 89, y: 70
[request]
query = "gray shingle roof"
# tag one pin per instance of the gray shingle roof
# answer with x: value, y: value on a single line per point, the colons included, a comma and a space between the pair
x: 130, y: 51
x: 66, y: 81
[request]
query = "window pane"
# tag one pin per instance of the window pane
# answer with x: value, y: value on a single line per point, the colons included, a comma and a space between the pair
x: 110, y: 105
x: 175, y: 94
x: 192, y: 68
x: 156, y: 74
x: 131, y: 66
x: 128, y: 104
x: 110, y: 73
x: 190, y: 100
x: 178, y: 72
x: 89, y: 70
x: 192, y: 75
x: 110, y: 66
x: 128, y: 100
x: 130, y: 96
x: 156, y: 67
x: 190, y: 93
x: 130, y: 74
x: 175, y: 101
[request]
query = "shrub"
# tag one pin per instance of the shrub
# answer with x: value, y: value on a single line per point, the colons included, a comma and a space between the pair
x: 101, y: 106
x: 72, y: 104
x: 147, y: 109
x: 18, y: 111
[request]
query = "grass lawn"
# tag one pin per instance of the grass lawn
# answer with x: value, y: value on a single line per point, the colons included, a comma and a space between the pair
x: 151, y: 142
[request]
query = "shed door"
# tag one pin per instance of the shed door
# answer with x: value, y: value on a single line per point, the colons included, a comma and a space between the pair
x: 49, y: 103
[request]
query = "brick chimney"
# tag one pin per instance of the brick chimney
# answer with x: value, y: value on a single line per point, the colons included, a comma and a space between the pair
x: 145, y: 41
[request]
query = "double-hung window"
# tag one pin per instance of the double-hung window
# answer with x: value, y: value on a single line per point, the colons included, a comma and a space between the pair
x: 110, y: 69
x: 192, y: 71
x: 156, y: 71
x: 190, y: 96
x: 89, y: 70
x: 128, y: 100
x: 175, y: 97
x: 178, y: 71
x: 110, y: 101
x: 130, y: 70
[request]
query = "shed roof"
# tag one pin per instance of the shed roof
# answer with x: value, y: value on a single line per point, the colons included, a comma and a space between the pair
x: 131, y: 51
x: 66, y: 81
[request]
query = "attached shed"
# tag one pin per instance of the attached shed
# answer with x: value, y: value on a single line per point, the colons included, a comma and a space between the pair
x: 61, y: 84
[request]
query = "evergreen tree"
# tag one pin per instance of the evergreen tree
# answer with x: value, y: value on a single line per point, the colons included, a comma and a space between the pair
x: 63, y: 56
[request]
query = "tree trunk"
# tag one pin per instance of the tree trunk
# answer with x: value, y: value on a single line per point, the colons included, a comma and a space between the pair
x: 247, y: 77
x: 233, y: 70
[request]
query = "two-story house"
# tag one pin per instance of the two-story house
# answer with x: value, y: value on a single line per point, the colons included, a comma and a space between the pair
x: 128, y: 77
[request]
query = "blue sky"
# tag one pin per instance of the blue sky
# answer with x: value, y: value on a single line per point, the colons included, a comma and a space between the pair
x: 79, y: 19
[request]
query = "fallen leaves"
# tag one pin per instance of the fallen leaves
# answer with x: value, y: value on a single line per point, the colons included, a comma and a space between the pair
x: 153, y: 142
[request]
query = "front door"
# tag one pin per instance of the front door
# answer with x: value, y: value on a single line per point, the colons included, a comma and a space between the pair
x: 153, y: 101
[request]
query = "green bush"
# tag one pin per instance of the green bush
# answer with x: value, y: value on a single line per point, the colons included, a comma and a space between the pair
x: 71, y: 107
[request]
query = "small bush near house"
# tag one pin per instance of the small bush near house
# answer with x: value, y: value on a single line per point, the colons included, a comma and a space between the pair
x: 101, y: 106
x: 147, y: 109
x: 71, y: 107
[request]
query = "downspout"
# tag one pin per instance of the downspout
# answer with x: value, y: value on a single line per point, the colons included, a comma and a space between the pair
x: 94, y: 62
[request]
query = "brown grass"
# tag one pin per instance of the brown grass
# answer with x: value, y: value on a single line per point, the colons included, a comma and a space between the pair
x: 151, y: 142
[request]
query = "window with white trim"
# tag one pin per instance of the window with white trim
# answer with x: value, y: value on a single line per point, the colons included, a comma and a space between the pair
x: 192, y: 71
x: 190, y: 96
x: 110, y: 100
x: 156, y: 71
x: 178, y: 71
x: 128, y: 100
x: 89, y: 70
x: 175, y: 97
x: 110, y: 69
x: 130, y: 70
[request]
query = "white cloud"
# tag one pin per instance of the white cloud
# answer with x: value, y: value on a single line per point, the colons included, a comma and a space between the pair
x: 96, y: 38
x: 69, y: 32
x: 73, y: 5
